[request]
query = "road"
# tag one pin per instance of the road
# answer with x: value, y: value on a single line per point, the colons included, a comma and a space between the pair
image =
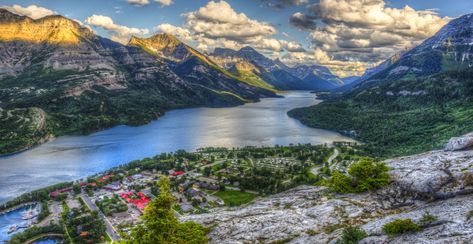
x: 315, y: 170
x: 110, y: 229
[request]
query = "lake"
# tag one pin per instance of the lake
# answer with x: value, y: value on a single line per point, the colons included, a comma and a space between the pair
x: 74, y: 157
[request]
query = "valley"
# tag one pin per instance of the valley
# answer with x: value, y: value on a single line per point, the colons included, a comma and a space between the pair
x: 166, y: 121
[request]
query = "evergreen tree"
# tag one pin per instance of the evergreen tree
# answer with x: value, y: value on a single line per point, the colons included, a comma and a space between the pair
x: 160, y: 225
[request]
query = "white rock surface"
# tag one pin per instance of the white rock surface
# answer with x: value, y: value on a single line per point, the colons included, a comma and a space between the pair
x: 460, y: 143
x: 309, y: 214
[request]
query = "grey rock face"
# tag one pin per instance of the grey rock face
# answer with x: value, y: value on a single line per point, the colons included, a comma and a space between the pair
x: 460, y: 143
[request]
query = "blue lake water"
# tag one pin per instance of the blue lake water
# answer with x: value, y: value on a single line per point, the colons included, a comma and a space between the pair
x: 74, y: 157
x: 10, y: 218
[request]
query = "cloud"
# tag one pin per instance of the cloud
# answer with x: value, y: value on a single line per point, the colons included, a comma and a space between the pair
x: 32, y: 11
x: 217, y: 24
x: 219, y: 20
x: 284, y: 3
x: 138, y: 2
x: 317, y: 56
x: 181, y: 33
x: 118, y: 33
x: 302, y: 21
x: 164, y: 2
x: 365, y: 31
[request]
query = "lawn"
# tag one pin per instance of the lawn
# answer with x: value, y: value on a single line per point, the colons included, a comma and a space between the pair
x: 235, y: 198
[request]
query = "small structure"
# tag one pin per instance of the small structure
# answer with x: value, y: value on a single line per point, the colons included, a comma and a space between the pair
x: 177, y: 173
x: 57, y: 192
x: 114, y: 186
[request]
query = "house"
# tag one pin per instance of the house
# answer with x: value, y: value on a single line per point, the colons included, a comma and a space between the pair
x: 177, y: 173
x: 114, y: 186
x: 57, y: 192
x: 105, y: 178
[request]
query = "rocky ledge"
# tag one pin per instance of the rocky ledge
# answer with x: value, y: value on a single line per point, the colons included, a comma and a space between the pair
x: 439, y: 183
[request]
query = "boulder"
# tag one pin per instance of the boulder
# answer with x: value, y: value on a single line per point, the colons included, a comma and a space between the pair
x: 460, y: 143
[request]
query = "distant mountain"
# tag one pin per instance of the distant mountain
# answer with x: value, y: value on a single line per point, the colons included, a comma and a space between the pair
x: 413, y: 101
x: 451, y: 49
x: 317, y: 76
x: 350, y: 79
x: 57, y: 77
x: 195, y: 67
x: 276, y: 73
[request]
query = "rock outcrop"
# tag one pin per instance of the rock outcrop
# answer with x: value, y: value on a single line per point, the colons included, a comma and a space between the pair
x: 460, y: 143
x: 439, y: 183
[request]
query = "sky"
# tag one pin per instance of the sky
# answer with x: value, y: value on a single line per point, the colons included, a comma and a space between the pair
x: 347, y: 36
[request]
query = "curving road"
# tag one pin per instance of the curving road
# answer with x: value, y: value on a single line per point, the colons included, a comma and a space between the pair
x: 315, y: 170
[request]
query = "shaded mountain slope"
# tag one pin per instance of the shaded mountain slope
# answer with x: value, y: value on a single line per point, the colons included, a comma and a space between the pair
x: 414, y: 102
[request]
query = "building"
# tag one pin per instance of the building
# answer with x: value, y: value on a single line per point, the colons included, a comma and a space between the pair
x: 114, y: 186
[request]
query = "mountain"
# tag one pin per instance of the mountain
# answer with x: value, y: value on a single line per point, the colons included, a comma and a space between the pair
x: 350, y: 79
x: 413, y: 101
x: 317, y: 76
x: 451, y: 49
x: 275, y: 72
x: 57, y: 77
x: 196, y: 67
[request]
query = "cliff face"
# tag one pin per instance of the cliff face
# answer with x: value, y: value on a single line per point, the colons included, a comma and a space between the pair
x: 50, y: 29
x: 438, y: 182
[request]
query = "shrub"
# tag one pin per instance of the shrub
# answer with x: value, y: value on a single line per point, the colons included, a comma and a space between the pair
x: 468, y: 179
x: 427, y: 218
x: 400, y: 226
x: 352, y: 235
x: 341, y: 183
x: 364, y: 175
x: 368, y: 174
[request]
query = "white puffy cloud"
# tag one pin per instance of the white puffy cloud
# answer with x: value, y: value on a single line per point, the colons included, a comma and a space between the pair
x: 181, y: 33
x: 217, y: 24
x: 341, y: 68
x: 220, y: 20
x: 365, y: 31
x: 164, y: 2
x: 118, y: 33
x: 32, y: 11
x: 138, y: 2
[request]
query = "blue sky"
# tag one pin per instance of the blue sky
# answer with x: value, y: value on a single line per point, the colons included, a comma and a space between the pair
x: 293, y: 30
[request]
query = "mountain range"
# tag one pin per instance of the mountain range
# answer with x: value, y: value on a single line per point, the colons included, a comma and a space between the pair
x: 275, y: 72
x: 410, y: 103
x: 58, y: 77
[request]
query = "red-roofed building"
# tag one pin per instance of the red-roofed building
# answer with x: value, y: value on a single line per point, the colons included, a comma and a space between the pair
x: 105, y: 177
x: 57, y: 192
x: 177, y: 173
x: 138, y: 199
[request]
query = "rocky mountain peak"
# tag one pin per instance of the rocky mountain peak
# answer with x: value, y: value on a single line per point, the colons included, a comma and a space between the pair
x: 52, y: 29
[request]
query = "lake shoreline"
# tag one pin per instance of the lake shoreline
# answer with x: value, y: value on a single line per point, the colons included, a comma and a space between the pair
x: 68, y: 158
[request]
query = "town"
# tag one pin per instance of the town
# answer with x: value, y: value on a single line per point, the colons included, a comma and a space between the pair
x: 105, y: 207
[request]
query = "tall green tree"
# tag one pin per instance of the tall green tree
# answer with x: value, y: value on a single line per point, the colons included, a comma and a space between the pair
x: 160, y: 225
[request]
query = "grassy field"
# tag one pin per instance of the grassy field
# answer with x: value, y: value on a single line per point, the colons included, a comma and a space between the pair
x: 235, y: 198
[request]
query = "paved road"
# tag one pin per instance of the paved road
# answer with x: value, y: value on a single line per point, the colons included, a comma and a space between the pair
x: 110, y: 229
x: 315, y: 170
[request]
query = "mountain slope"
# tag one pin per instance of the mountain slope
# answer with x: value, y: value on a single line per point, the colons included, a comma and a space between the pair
x: 83, y: 82
x: 195, y: 67
x: 316, y: 76
x: 416, y: 100
x: 276, y: 73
